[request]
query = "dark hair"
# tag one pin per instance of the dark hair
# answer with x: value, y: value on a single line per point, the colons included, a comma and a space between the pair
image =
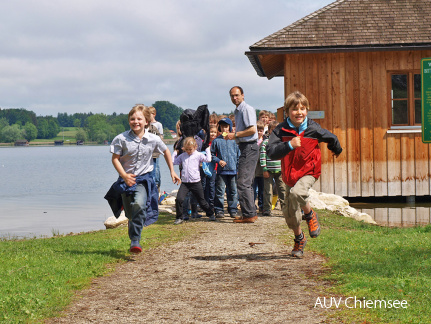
x: 238, y: 87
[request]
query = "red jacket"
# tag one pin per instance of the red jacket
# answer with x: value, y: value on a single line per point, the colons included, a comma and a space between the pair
x: 304, y: 160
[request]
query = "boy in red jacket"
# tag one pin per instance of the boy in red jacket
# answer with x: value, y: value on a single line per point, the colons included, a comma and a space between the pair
x: 296, y: 143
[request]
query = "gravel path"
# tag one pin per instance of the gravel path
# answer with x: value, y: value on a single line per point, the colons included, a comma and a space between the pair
x: 217, y: 276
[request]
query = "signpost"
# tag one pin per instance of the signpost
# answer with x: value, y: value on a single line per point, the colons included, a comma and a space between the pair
x: 426, y: 99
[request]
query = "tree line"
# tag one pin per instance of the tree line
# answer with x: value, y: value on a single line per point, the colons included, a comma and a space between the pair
x: 19, y: 123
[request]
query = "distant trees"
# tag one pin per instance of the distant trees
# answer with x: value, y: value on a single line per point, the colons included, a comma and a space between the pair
x: 19, y: 123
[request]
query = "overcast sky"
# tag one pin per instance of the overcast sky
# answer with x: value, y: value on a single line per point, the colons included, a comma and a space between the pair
x: 105, y: 56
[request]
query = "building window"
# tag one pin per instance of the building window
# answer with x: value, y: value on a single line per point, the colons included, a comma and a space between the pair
x: 405, y: 98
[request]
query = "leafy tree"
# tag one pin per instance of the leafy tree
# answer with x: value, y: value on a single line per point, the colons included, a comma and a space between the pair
x: 47, y: 127
x: 167, y: 113
x: 81, y: 135
x: 3, y: 123
x: 166, y: 133
x: 18, y: 115
x: 30, y: 131
x: 10, y: 134
x: 77, y: 123
x: 99, y: 129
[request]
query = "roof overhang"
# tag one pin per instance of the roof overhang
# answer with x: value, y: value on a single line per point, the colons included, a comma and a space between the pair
x: 266, y: 61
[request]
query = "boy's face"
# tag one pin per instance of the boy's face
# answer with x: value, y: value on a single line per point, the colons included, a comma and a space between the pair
x: 297, y: 114
x: 265, y: 119
x: 153, y: 118
x: 137, y: 122
x: 213, y: 133
x: 260, y: 132
x: 224, y: 128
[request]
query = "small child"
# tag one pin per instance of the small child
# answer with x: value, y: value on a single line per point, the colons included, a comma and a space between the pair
x: 159, y: 126
x: 295, y: 142
x: 191, y: 178
x: 258, y: 175
x: 135, y: 188
x: 208, y: 182
x: 225, y: 153
x: 271, y: 175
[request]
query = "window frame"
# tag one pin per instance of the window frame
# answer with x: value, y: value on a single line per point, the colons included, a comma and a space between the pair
x: 410, y: 99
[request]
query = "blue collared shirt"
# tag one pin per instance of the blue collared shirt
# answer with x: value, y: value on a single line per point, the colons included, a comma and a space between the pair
x: 245, y: 116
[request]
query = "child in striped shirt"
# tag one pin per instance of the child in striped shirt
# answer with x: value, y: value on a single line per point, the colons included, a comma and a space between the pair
x: 271, y: 175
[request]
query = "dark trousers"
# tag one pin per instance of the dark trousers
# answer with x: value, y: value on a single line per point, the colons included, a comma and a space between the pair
x: 196, y: 189
x: 246, y: 167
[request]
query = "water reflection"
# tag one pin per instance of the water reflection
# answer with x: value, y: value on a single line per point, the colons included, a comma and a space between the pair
x: 397, y: 214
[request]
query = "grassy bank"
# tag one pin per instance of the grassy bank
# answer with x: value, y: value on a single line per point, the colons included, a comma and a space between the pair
x: 38, y: 277
x: 376, y: 263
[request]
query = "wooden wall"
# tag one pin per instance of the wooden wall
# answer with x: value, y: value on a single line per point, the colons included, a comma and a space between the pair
x: 352, y: 89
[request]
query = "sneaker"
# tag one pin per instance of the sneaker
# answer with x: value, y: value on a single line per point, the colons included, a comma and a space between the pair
x: 266, y: 213
x: 135, y: 247
x: 245, y: 219
x: 219, y: 214
x: 232, y: 215
x: 313, y: 224
x: 178, y: 221
x: 196, y: 215
x: 212, y: 217
x: 298, y: 248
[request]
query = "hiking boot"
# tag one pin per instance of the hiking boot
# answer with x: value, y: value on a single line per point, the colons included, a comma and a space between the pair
x: 178, y: 221
x: 245, y: 219
x: 298, y: 248
x: 313, y: 224
x: 135, y: 247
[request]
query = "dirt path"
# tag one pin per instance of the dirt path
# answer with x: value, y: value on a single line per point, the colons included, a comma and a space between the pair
x: 216, y: 277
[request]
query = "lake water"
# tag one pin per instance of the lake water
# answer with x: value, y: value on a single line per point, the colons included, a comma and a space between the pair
x: 57, y: 189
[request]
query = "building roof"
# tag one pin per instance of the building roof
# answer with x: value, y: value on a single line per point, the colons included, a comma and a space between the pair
x: 352, y: 25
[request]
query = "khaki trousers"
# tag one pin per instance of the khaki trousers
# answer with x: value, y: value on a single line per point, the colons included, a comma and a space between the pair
x: 295, y: 198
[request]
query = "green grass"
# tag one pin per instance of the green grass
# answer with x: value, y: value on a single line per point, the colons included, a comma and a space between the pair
x: 377, y: 263
x: 38, y: 277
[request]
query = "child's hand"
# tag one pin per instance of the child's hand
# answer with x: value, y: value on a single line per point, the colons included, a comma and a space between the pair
x: 129, y: 179
x: 336, y: 155
x: 266, y: 174
x: 222, y: 163
x: 295, y: 142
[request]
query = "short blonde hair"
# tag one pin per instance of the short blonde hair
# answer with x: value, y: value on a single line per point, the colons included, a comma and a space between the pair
x: 293, y: 99
x: 152, y: 110
x: 272, y: 125
x: 144, y: 110
x: 189, y: 141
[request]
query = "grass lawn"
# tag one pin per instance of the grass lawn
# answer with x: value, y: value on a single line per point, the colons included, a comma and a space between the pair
x: 376, y: 263
x: 38, y: 277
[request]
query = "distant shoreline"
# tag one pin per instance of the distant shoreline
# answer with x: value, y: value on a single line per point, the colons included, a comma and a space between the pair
x: 166, y: 141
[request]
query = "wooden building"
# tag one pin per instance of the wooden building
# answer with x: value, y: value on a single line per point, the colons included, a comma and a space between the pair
x: 358, y: 62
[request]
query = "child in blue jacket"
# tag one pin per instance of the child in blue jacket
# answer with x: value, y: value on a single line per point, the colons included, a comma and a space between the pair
x: 225, y: 153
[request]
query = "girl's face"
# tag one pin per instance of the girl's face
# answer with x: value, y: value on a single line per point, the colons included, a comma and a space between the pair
x: 213, y: 133
x: 137, y: 122
x: 297, y: 114
x: 189, y: 149
x: 260, y: 133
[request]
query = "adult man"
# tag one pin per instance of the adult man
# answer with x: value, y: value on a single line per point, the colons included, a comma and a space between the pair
x: 246, y: 138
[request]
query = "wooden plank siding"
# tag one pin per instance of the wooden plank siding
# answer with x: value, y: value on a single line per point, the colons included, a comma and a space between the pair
x: 353, y: 90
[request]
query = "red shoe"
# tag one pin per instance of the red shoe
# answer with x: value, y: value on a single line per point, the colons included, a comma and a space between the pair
x: 135, y: 247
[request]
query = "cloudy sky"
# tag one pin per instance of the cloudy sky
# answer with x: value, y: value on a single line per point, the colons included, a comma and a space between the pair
x: 105, y: 55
